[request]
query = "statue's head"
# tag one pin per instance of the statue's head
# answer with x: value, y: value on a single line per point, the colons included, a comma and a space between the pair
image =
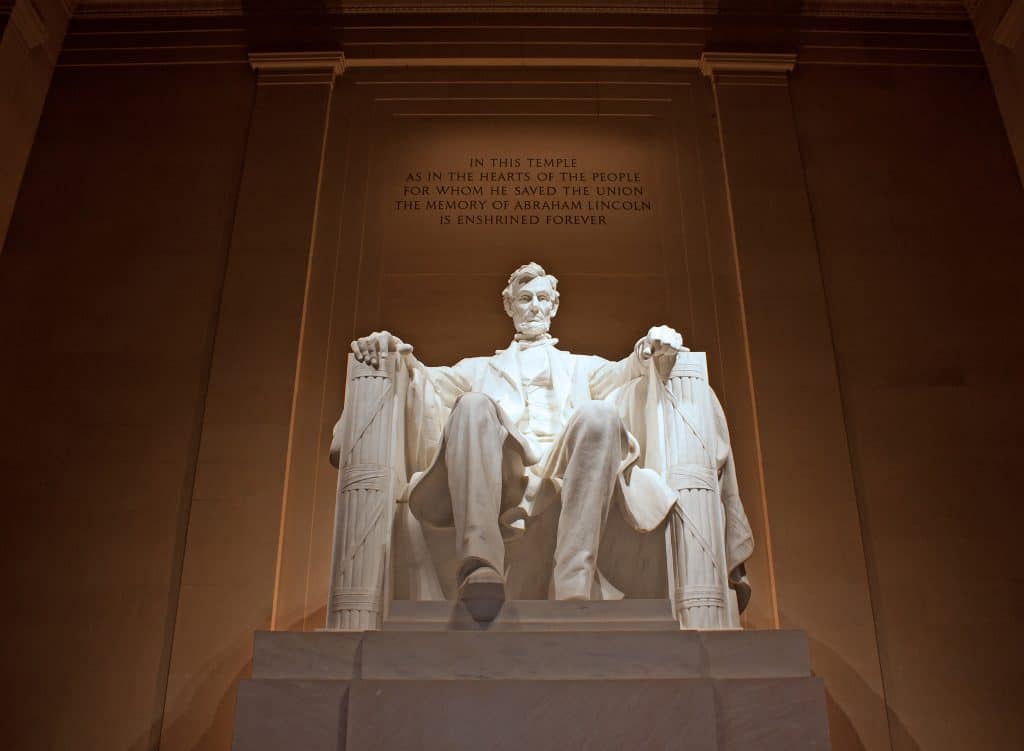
x: 531, y: 300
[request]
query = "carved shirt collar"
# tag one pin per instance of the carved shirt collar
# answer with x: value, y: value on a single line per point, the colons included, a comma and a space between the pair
x: 543, y: 341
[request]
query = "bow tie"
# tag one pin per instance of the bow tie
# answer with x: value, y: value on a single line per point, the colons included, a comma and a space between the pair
x: 542, y: 342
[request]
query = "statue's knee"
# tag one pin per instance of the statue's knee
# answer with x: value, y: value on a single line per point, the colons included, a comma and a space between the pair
x: 474, y: 406
x: 598, y: 416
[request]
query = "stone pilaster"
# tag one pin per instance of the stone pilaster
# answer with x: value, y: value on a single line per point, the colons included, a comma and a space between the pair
x: 297, y: 68
x: 229, y: 574
x: 29, y: 49
x: 812, y: 509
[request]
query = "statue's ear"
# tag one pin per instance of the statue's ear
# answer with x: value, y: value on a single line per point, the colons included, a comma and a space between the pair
x: 554, y: 308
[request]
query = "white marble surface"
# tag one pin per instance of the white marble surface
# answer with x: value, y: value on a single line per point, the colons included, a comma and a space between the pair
x: 293, y: 714
x: 771, y: 714
x: 540, y: 655
x: 516, y: 715
x: 295, y: 654
x: 493, y: 443
x: 553, y: 690
x: 531, y: 656
x: 535, y: 615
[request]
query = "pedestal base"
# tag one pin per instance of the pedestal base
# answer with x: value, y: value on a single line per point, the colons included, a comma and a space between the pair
x: 515, y: 688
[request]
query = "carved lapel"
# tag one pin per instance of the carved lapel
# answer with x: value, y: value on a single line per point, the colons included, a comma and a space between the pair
x: 503, y: 369
x: 561, y: 376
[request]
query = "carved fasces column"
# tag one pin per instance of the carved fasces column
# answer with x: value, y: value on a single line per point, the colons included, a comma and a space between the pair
x: 695, y: 535
x: 368, y: 449
x: 815, y: 534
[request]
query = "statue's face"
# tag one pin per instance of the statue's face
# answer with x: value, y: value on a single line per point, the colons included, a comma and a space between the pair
x: 533, y: 308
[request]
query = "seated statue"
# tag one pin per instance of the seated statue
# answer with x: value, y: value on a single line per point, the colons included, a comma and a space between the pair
x: 488, y: 447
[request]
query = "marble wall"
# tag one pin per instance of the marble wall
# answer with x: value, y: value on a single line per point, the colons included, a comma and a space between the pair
x: 919, y: 215
x: 110, y: 287
x: 1000, y: 28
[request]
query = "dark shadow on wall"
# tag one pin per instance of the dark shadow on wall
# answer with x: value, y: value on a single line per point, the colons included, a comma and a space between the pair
x: 202, y: 693
x: 841, y: 729
x: 198, y: 691
x: 292, y: 25
x: 756, y: 25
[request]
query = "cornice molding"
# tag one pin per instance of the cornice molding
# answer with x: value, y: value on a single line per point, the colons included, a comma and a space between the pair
x: 157, y: 8
x: 758, y: 64
x: 928, y: 9
x: 624, y: 41
x: 292, y: 68
x: 949, y: 10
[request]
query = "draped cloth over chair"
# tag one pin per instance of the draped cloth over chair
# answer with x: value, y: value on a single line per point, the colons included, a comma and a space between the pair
x: 686, y: 441
x: 677, y: 484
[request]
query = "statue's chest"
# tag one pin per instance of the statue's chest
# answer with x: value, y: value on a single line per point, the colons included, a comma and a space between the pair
x: 535, y: 367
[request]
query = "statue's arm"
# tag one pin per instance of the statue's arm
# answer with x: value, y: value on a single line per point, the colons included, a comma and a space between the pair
x: 432, y: 393
x: 608, y: 376
x: 660, y: 343
x: 448, y: 382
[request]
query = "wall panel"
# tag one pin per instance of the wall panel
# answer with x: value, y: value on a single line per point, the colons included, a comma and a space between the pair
x: 919, y: 217
x: 109, y: 291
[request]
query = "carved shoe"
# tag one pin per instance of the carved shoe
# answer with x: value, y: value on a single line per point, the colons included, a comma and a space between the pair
x: 483, y: 593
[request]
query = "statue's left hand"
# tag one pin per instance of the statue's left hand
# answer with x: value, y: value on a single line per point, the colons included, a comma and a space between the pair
x: 660, y: 342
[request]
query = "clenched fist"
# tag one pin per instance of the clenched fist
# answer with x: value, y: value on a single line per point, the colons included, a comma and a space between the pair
x: 660, y: 342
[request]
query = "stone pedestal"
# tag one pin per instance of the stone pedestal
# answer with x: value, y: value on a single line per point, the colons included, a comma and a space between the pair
x: 545, y: 675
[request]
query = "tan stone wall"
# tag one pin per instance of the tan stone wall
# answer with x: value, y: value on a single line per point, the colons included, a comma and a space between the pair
x: 30, y: 43
x: 160, y: 374
x: 919, y: 216
x: 1000, y: 28
x: 110, y: 284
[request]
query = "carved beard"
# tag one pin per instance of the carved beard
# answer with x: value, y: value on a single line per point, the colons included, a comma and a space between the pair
x: 531, y: 329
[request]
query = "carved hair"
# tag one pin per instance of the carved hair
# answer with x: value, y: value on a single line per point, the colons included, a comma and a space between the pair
x: 524, y: 275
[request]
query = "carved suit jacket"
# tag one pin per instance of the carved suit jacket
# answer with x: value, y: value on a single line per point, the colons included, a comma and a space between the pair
x: 576, y: 379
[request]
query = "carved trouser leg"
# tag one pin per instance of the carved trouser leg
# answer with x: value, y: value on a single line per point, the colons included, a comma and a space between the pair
x: 595, y: 445
x: 480, y: 460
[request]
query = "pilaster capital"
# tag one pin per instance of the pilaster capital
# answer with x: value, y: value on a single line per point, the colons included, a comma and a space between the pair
x: 764, y: 67
x: 295, y: 68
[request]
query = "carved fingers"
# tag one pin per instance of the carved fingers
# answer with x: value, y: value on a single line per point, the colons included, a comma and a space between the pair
x: 661, y: 341
x: 372, y: 349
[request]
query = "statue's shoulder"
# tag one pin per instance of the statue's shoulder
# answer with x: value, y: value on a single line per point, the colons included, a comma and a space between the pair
x: 589, y: 361
x: 472, y: 364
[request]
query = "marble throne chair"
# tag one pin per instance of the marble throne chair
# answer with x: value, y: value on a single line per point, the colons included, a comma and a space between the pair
x: 383, y: 556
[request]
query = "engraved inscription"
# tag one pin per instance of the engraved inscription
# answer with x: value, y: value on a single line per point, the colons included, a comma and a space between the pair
x: 523, y: 190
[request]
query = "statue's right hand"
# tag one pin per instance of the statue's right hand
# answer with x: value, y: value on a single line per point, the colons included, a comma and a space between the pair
x: 371, y: 349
